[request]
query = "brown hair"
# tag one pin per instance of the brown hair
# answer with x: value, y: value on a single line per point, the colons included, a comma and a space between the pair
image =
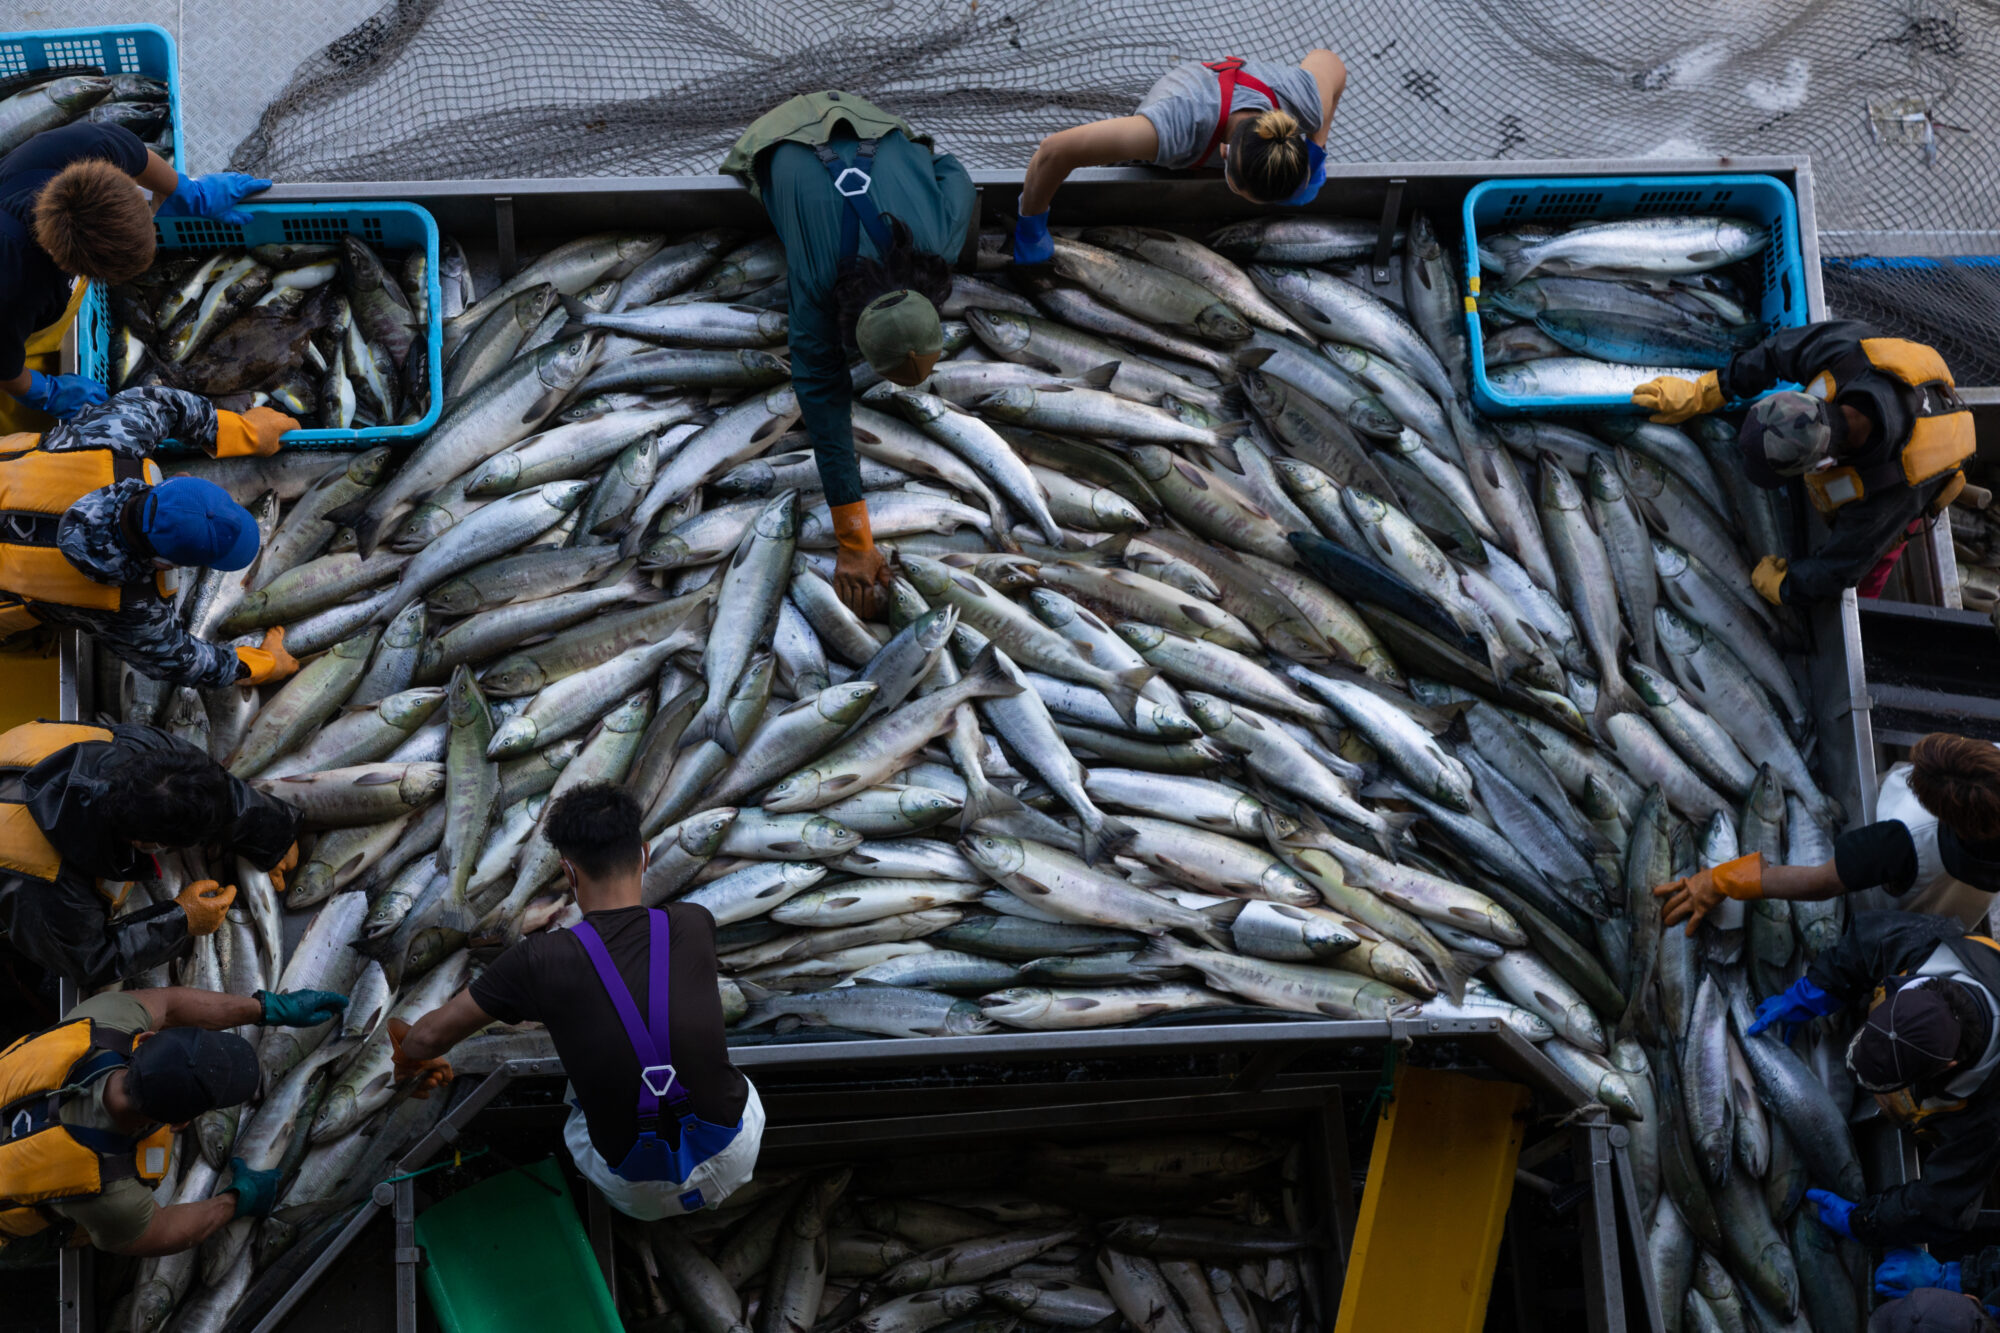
x: 1267, y: 156
x: 95, y: 222
x: 1957, y: 779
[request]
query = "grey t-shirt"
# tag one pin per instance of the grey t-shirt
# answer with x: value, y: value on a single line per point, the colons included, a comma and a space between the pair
x: 1187, y: 101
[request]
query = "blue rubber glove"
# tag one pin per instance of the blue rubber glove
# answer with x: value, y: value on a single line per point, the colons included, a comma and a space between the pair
x: 1032, y: 244
x: 1903, y: 1271
x: 1833, y: 1211
x: 300, y: 1008
x: 62, y: 395
x: 213, y: 196
x: 256, y: 1191
x: 1315, y: 176
x: 1797, y: 1003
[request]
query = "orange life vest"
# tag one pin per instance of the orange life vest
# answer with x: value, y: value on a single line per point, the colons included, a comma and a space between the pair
x: 42, y: 1160
x: 36, y: 489
x: 1940, y: 441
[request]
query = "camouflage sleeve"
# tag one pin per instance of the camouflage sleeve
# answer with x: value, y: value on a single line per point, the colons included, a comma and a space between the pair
x: 149, y: 636
x: 135, y: 422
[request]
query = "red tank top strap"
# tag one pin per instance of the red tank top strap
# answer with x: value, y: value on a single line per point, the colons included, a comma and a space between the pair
x: 1229, y: 73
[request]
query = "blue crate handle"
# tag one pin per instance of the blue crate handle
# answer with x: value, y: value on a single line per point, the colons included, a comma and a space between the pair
x: 1782, y: 300
x: 394, y: 225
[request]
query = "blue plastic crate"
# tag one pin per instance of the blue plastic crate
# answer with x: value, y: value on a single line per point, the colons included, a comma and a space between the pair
x: 386, y: 226
x: 1499, y: 204
x: 134, y: 48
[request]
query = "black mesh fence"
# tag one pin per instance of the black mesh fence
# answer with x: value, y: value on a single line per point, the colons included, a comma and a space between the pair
x: 1897, y: 101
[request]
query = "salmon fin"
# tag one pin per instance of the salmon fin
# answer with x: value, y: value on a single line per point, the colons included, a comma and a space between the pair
x: 1110, y: 834
x: 983, y: 802
x: 1124, y: 694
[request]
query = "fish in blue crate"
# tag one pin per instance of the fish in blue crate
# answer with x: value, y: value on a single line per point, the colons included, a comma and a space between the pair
x: 48, y: 99
x: 332, y: 334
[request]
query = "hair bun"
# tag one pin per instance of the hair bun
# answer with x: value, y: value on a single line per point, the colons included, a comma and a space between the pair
x: 1276, y: 124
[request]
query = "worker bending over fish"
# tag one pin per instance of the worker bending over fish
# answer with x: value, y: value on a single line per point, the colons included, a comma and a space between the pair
x: 1928, y: 1051
x: 1935, y: 845
x: 1264, y: 123
x: 92, y: 538
x: 82, y: 812
x: 660, y: 1121
x: 94, y: 1104
x: 872, y: 219
x: 74, y: 210
x: 1878, y: 438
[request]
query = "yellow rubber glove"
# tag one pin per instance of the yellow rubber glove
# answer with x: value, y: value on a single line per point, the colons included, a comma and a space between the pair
x: 861, y: 575
x: 1673, y: 400
x: 206, y: 904
x: 286, y: 864
x: 429, y: 1074
x: 256, y: 432
x: 1769, y: 579
x: 1693, y: 898
x: 270, y: 662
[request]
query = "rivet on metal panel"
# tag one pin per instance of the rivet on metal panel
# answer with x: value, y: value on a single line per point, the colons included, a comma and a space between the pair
x: 503, y: 235
x: 384, y: 1194
x: 1385, y: 239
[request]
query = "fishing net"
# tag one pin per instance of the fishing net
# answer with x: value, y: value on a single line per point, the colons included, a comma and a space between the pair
x: 1894, y: 99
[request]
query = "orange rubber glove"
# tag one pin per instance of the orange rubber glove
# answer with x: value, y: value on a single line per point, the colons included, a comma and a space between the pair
x: 1693, y: 898
x: 1673, y: 400
x: 256, y: 432
x: 429, y: 1074
x: 270, y: 662
x: 861, y: 575
x: 286, y: 864
x: 206, y: 904
x: 1769, y: 579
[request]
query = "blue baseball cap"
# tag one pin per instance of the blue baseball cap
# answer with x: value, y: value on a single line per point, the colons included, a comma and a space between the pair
x: 194, y: 522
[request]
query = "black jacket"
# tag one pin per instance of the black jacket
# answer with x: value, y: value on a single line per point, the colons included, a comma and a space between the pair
x: 1865, y: 531
x: 1964, y: 1144
x: 65, y: 925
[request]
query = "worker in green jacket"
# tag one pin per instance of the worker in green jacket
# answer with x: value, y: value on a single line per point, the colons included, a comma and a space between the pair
x: 872, y: 220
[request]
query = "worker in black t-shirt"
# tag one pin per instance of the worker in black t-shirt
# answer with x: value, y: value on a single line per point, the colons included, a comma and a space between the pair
x: 73, y: 204
x: 660, y: 1121
x: 1934, y: 845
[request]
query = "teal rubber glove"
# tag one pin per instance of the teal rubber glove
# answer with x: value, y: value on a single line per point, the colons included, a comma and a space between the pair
x: 1798, y: 1003
x: 300, y: 1008
x: 1903, y: 1271
x: 1834, y: 1211
x: 256, y: 1191
x: 213, y: 196
x: 1032, y: 244
x: 62, y: 395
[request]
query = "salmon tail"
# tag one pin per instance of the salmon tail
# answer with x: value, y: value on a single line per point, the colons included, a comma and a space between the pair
x: 983, y: 800
x: 1221, y: 917
x: 1108, y: 835
x: 705, y: 724
x: 759, y: 1001
x: 1124, y: 692
x: 986, y: 677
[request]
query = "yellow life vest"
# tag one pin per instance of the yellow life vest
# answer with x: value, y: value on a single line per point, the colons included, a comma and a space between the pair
x: 1940, y: 440
x: 24, y: 849
x: 36, y: 490
x: 42, y: 1160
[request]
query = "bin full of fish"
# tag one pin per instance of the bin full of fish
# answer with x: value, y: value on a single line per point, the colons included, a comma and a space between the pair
x: 1182, y: 1233
x: 34, y: 101
x: 1235, y: 668
x: 1598, y: 308
x: 334, y: 334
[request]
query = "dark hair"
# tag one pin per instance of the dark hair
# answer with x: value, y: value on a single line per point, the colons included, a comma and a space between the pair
x: 1957, y: 779
x: 1267, y: 156
x: 95, y: 222
x: 905, y: 267
x: 596, y: 828
x: 177, y: 796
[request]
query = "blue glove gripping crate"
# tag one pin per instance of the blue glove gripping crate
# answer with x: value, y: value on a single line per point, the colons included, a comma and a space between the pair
x: 384, y: 226
x: 137, y: 48
x: 1497, y: 205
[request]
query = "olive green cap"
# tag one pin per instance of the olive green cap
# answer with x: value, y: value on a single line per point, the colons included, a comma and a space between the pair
x: 897, y: 332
